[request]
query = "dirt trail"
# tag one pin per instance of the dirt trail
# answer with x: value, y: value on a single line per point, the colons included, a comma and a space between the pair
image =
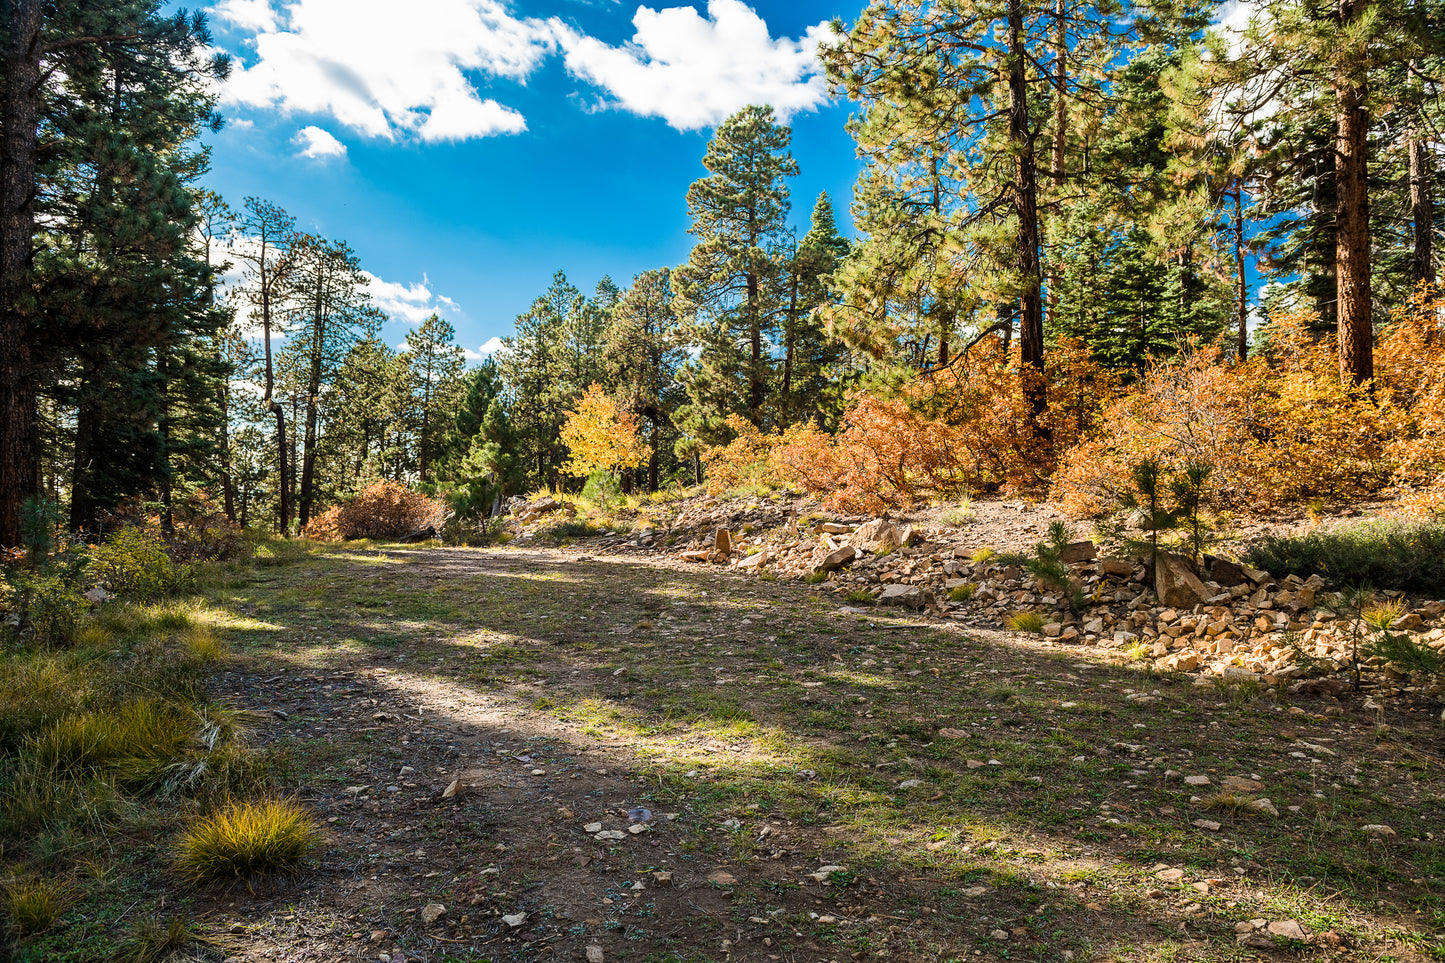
x: 820, y: 785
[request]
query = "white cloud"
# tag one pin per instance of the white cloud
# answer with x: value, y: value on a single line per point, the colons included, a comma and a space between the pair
x: 318, y: 143
x: 694, y: 72
x: 251, y: 15
x: 384, y: 68
x: 488, y: 348
x: 411, y: 303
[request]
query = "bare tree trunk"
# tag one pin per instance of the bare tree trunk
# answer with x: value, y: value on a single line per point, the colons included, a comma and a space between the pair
x: 1025, y: 204
x: 18, y: 454
x: 1242, y: 288
x: 1352, y: 240
x: 1422, y: 209
x: 1061, y: 120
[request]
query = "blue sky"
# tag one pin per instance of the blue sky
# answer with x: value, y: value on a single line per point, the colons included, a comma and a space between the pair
x: 468, y: 149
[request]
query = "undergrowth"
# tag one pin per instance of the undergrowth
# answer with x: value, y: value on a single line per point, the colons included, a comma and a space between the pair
x: 1406, y: 556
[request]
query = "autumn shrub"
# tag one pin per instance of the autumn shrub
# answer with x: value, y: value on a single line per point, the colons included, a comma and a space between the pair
x: 383, y: 510
x: 744, y: 462
x: 201, y: 532
x: 1278, y: 428
x: 967, y: 429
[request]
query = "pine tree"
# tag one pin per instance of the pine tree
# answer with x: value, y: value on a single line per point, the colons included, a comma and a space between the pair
x: 644, y: 350
x: 729, y: 289
x: 436, y: 362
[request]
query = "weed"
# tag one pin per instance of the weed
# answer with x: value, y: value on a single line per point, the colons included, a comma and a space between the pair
x: 34, y: 905
x: 962, y: 593
x: 1025, y: 622
x: 247, y: 839
x: 961, y: 514
x: 153, y: 940
x: 983, y: 556
x: 817, y: 578
x: 859, y: 597
x: 1238, y: 689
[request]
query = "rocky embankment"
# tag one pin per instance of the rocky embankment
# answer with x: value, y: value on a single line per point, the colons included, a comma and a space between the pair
x: 1219, y: 618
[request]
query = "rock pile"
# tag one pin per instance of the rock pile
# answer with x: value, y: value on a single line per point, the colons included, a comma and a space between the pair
x: 1226, y: 619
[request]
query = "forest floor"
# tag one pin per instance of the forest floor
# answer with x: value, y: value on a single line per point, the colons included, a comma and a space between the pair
x: 822, y: 784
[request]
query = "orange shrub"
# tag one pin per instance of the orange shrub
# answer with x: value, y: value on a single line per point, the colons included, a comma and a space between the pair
x: 741, y: 462
x: 1278, y: 428
x: 964, y: 429
x: 384, y: 509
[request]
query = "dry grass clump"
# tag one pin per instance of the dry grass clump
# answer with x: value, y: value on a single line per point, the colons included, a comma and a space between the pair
x: 247, y: 839
x: 34, y: 905
x: 1026, y: 622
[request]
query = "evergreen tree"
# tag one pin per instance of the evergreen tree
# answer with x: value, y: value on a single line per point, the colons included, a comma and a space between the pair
x: 729, y: 290
x: 436, y: 363
x: 644, y: 351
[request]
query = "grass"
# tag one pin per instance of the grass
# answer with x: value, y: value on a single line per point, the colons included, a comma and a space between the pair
x: 1406, y: 556
x: 1025, y: 622
x: 960, y: 514
x: 33, y: 906
x: 962, y: 593
x: 859, y: 597
x: 247, y: 839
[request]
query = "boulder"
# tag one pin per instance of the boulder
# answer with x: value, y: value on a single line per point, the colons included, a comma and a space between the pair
x: 832, y: 561
x: 876, y: 536
x: 906, y: 596
x: 722, y: 542
x: 1117, y: 567
x: 1175, y: 582
x: 1227, y: 573
x: 1079, y: 552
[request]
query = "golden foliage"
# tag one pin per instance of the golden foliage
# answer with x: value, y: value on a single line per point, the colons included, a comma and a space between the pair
x: 1280, y: 427
x: 602, y: 437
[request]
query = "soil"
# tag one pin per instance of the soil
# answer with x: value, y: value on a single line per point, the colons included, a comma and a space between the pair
x: 820, y: 785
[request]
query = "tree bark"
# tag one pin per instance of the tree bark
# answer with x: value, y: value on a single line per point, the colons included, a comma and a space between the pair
x: 1056, y: 165
x: 1352, y: 238
x: 1422, y: 209
x: 1242, y: 288
x: 19, y: 460
x: 1025, y: 204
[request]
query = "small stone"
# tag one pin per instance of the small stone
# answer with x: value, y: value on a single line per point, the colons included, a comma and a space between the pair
x: 975, y: 764
x: 722, y: 878
x: 822, y: 873
x: 722, y: 542
x: 1379, y: 830
x: 514, y: 920
x: 953, y: 733
x: 973, y: 892
x: 592, y: 828
x: 453, y: 787
x: 636, y: 828
x: 594, y: 954
x: 1169, y: 875
x: 999, y: 934
x: 1207, y: 824
x: 432, y: 912
x: 662, y: 877
x: 910, y: 784
x: 609, y: 835
x: 1264, y: 806
x: 280, y: 714
x: 1241, y: 784
x: 1288, y: 930
x: 1196, y: 780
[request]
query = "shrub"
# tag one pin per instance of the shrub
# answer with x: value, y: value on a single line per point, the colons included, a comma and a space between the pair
x: 47, y: 604
x: 247, y: 839
x: 966, y: 429
x: 201, y: 533
x: 135, y: 564
x: 1407, y: 556
x: 383, y: 510
x: 962, y: 593
x: 859, y: 597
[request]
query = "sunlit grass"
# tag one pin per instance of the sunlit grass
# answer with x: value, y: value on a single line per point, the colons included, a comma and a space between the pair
x: 247, y: 839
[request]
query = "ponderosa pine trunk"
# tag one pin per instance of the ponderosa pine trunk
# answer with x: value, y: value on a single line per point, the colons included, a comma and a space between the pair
x: 1241, y: 283
x: 1422, y: 209
x: 1025, y: 204
x: 18, y: 456
x: 1352, y: 227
